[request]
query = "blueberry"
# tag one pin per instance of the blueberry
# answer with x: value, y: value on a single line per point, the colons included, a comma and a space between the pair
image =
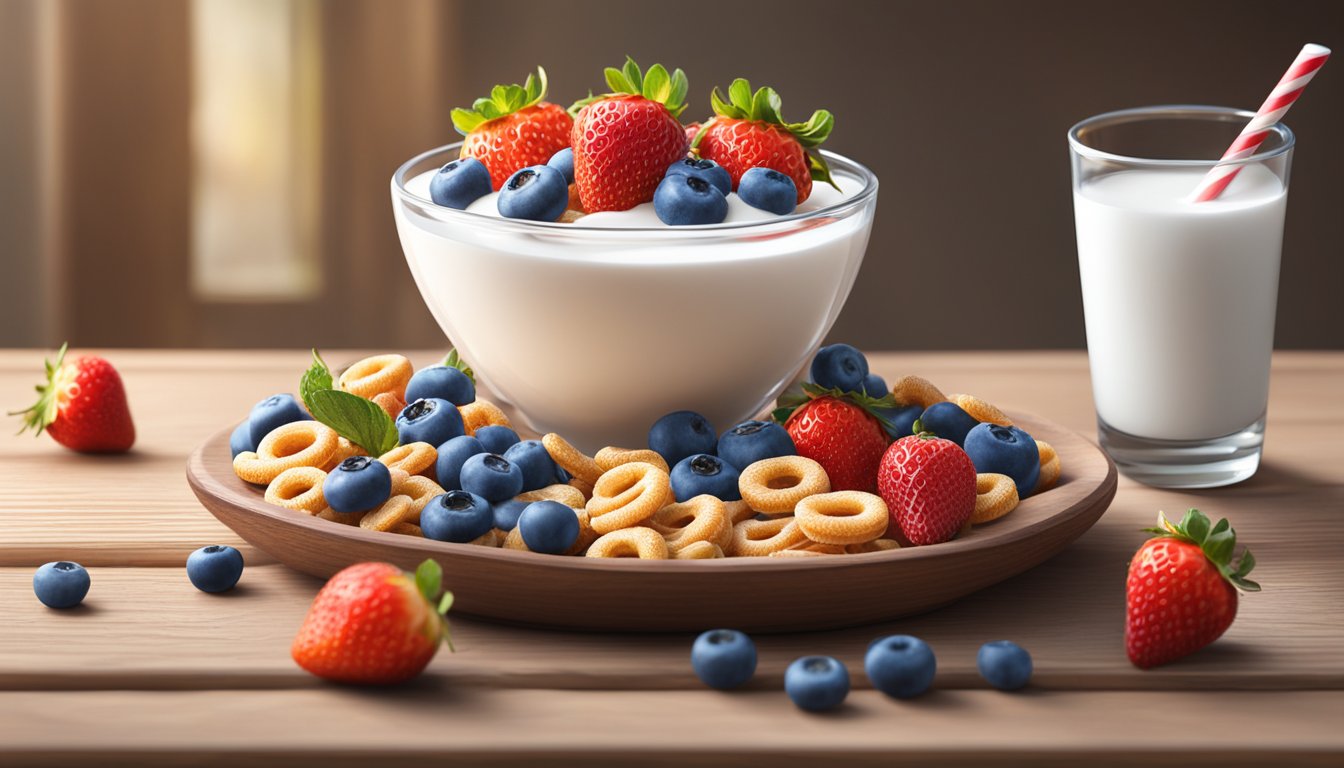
x: 429, y: 420
x: 563, y: 161
x: 357, y: 484
x: 548, y: 527
x: 723, y: 658
x: 215, y: 568
x: 680, y: 434
x: 839, y: 366
x: 703, y: 168
x: 452, y: 455
x: 496, y: 438
x: 682, y: 200
x: 874, y: 386
x: 442, y: 381
x: 817, y: 683
x: 539, y: 469
x: 241, y: 439
x: 457, y: 516
x: 507, y: 513
x: 1005, y: 451
x: 274, y: 411
x: 460, y: 183
x: 1004, y: 664
x: 537, y: 193
x: 703, y: 473
x: 947, y: 419
x: 902, y: 420
x: 492, y: 477
x: 900, y: 666
x: 768, y: 190
x: 751, y: 441
x: 61, y: 584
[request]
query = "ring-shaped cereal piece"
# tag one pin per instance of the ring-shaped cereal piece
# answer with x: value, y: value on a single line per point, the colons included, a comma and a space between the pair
x: 980, y: 410
x: 627, y: 495
x: 298, y: 488
x: 561, y: 492
x: 1050, y: 467
x: 810, y: 549
x: 698, y: 519
x: 995, y: 496
x: 411, y: 458
x: 916, y: 390
x: 344, y: 450
x: 344, y: 518
x: 738, y: 511
x: 584, y: 488
x: 612, y: 457
x: 393, y: 511
x: 482, y: 413
x: 586, y: 534
x: 758, y: 538
x: 514, y: 540
x: 876, y: 545
x: 775, y: 486
x: 699, y: 550
x: 488, y: 539
x: 391, y: 404
x: 571, y: 459
x: 407, y: 529
x: 842, y: 517
x: 422, y: 490
x: 375, y: 375
x: 298, y: 444
x: 640, y: 542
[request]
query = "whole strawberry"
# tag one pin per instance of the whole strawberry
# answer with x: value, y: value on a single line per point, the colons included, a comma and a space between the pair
x: 928, y: 484
x: 82, y: 406
x: 374, y: 624
x: 513, y: 128
x: 841, y: 436
x: 625, y: 140
x: 1181, y: 593
x: 748, y: 131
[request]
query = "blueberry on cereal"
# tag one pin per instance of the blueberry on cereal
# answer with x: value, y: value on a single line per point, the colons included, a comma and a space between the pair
x: 457, y: 516
x: 723, y: 658
x: 442, y: 381
x: 751, y: 441
x: 496, y: 438
x: 549, y: 527
x: 274, y: 411
x: 215, y: 568
x: 680, y: 434
x: 459, y: 183
x: 536, y: 193
x: 539, y: 469
x: 703, y: 473
x: 429, y: 420
x: 357, y: 484
x: 507, y: 513
x: 452, y: 455
x: 1005, y: 451
x: 817, y: 683
x: 947, y: 419
x: 61, y: 584
x: 240, y: 441
x: 703, y: 168
x: 839, y: 366
x: 492, y: 477
x: 900, y: 666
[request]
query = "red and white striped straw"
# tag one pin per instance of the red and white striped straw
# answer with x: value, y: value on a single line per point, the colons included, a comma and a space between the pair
x: 1272, y: 111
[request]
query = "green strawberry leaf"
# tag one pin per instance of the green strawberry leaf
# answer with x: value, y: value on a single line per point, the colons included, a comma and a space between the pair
x: 657, y: 84
x: 1196, y: 526
x: 739, y: 95
x: 795, y: 398
x: 819, y: 170
x: 633, y: 75
x: 577, y: 107
x: 429, y: 580
x: 654, y: 85
x: 454, y: 360
x: 504, y: 100
x: 1218, y: 542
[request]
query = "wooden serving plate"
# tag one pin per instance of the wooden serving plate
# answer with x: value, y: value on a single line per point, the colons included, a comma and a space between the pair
x: 760, y: 594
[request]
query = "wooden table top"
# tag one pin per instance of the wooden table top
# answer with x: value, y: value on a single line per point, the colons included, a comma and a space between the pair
x: 151, y: 672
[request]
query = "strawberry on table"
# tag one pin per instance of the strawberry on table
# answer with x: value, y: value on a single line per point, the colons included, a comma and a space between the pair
x: 839, y: 432
x: 513, y: 128
x: 625, y: 140
x: 1181, y: 593
x: 928, y: 484
x: 82, y: 406
x: 748, y: 131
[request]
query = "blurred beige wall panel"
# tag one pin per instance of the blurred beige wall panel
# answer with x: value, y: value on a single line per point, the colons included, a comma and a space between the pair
x: 21, y: 189
x: 255, y: 143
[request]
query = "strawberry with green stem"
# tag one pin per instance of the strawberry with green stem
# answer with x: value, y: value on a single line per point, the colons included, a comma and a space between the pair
x: 82, y: 405
x: 842, y: 431
x: 513, y: 128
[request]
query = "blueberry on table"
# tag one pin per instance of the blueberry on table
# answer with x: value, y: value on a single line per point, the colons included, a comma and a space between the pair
x: 948, y: 420
x: 215, y: 568
x: 1005, y: 451
x: 429, y: 420
x: 817, y: 683
x: 680, y: 434
x: 723, y: 658
x: 548, y: 527
x: 241, y: 440
x: 274, y: 411
x: 900, y: 421
x: 839, y: 366
x: 900, y: 666
x: 875, y: 386
x: 459, y: 183
x: 563, y: 161
x: 751, y: 441
x: 452, y: 455
x: 1004, y: 664
x: 703, y: 168
x: 683, y: 200
x: 703, y: 473
x: 492, y: 477
x: 536, y: 193
x: 768, y: 190
x: 61, y: 584
x: 507, y: 513
x: 357, y: 484
x: 443, y: 382
x: 457, y: 516
x: 539, y: 469
x: 496, y: 438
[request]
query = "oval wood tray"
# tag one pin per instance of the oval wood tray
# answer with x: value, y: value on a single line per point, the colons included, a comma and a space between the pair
x: 752, y: 594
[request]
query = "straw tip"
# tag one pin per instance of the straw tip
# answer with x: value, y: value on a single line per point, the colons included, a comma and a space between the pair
x: 1315, y: 49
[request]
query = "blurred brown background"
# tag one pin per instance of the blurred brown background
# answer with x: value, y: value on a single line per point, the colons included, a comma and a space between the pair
x: 215, y: 172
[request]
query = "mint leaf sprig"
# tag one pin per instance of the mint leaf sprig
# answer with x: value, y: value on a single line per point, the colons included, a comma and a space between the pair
x: 358, y: 420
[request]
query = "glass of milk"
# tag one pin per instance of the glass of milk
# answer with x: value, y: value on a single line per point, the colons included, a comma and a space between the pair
x: 1179, y: 296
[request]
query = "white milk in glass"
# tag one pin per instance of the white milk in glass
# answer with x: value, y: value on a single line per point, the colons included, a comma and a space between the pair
x: 1179, y: 299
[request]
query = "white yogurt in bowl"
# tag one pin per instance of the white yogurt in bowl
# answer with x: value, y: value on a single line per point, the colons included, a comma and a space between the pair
x: 595, y: 329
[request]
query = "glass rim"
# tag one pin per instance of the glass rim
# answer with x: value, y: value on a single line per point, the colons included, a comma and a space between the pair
x: 1177, y: 111
x: 858, y: 200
